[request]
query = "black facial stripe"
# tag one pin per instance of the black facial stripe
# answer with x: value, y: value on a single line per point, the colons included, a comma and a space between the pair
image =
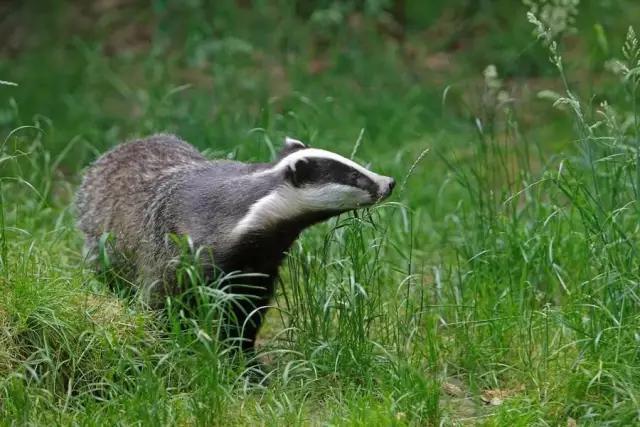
x: 319, y: 171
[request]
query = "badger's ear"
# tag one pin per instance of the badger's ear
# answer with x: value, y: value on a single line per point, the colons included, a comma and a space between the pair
x: 293, y: 144
x: 290, y: 145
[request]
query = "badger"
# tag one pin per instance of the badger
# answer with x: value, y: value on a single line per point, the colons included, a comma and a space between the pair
x: 247, y: 215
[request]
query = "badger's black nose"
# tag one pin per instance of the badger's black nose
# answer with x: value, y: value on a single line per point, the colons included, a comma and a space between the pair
x: 386, y: 191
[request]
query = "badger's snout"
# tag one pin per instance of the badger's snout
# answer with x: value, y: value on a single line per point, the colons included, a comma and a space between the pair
x: 386, y: 187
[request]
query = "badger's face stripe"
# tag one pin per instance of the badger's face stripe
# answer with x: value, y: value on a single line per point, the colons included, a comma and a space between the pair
x: 314, y: 181
x: 315, y: 153
x: 320, y: 172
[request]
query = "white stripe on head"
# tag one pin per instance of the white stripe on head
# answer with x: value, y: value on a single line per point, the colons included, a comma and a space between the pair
x: 317, y: 153
x: 308, y: 153
x: 287, y: 202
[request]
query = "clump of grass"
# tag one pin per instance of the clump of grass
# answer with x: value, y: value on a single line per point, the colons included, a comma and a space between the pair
x: 547, y: 255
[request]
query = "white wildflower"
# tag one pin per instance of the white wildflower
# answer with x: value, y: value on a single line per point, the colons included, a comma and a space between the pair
x: 617, y: 67
x: 491, y: 79
x: 552, y: 18
x: 503, y: 97
x: 627, y: 68
x: 494, y: 93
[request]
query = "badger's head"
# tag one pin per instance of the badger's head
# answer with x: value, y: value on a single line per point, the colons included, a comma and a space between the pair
x: 312, y: 185
x: 321, y: 180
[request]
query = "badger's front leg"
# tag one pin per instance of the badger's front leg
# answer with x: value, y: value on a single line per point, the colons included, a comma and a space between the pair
x: 244, y: 318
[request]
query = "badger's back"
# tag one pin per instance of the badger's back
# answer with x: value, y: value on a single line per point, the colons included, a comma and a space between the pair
x: 122, y: 183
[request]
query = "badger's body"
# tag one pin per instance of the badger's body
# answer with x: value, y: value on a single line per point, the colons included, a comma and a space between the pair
x: 245, y: 215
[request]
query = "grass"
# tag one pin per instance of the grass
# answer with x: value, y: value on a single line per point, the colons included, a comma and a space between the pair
x: 497, y: 287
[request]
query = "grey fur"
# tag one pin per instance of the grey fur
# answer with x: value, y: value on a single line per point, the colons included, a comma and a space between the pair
x: 143, y: 190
